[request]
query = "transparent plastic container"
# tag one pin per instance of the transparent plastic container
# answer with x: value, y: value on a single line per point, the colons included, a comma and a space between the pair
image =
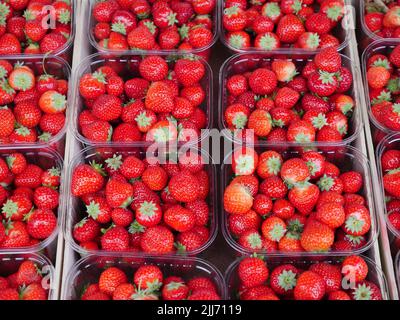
x: 93, y: 62
x: 239, y: 64
x: 74, y: 206
x: 88, y: 270
x: 59, y: 68
x: 66, y: 50
x: 347, y: 159
x: 375, y: 274
x: 92, y: 22
x: 341, y: 33
x: 389, y: 143
x: 10, y: 262
x: 369, y: 36
x: 384, y: 46
x: 45, y: 158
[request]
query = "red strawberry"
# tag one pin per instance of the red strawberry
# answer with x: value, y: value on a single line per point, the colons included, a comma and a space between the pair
x: 310, y: 286
x: 87, y: 179
x: 252, y: 272
x: 115, y: 239
x: 157, y: 240
x: 41, y: 223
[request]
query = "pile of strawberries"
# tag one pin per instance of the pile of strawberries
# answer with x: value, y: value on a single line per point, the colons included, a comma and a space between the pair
x: 29, y: 199
x: 384, y: 88
x: 295, y: 203
x: 384, y: 21
x: 149, y: 282
x: 24, y: 284
x: 159, y: 99
x: 269, y: 25
x: 22, y: 29
x: 131, y: 205
x: 390, y: 164
x: 33, y: 104
x: 154, y: 24
x: 280, y: 102
x: 325, y: 280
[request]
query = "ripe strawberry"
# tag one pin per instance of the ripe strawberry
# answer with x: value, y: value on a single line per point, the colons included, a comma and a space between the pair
x: 16, y: 235
x: 30, y: 177
x: 273, y: 228
x: 358, y: 220
x: 52, y: 102
x: 21, y: 78
x: 241, y: 40
x: 28, y: 272
x: 34, y: 291
x: 317, y: 237
x: 234, y: 19
x: 204, y: 294
x: 355, y: 268
x: 304, y: 197
x: 155, y: 178
x: 9, y: 45
x: 283, y: 279
x: 252, y: 272
x: 115, y: 239
x: 52, y: 42
x: 141, y: 39
x: 366, y: 290
x: 294, y: 171
x: 86, y: 230
x: 184, y: 187
x: 110, y: 279
x: 157, y: 240
x: 27, y: 114
x: 274, y: 187
x: 87, y: 179
x: 378, y: 77
x: 260, y: 121
x: 301, y: 131
x: 188, y: 241
x: 289, y: 28
x: 310, y: 286
x: 174, y: 289
x: 9, y: 294
x: 148, y: 214
x: 263, y: 81
x: 7, y: 122
x: 99, y: 210
x: 118, y: 193
x: 41, y: 223
x: 52, y: 123
x: 92, y: 86
x: 237, y: 199
x: 332, y: 214
x: 159, y: 97
x: 148, y: 277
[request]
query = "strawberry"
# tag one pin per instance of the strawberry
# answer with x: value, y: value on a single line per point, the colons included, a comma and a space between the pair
x: 99, y: 210
x: 304, y: 197
x: 159, y: 97
x: 263, y: 81
x: 87, y: 179
x: 273, y: 228
x: 294, y: 171
x: 9, y: 45
x: 115, y: 239
x: 283, y: 279
x: 41, y: 223
x: 148, y: 277
x: 7, y: 121
x: 358, y: 220
x: 285, y: 70
x: 141, y: 38
x: 234, y: 19
x: 310, y: 286
x: 92, y: 86
x: 157, y: 240
x: 174, y: 289
x: 252, y: 272
x: 21, y: 78
x: 237, y: 199
x: 28, y: 272
x: 352, y: 181
x: 366, y: 290
x: 16, y: 235
x: 317, y: 237
x: 86, y: 230
x: 155, y: 178
x: 9, y: 294
x: 110, y: 279
x: 289, y: 28
x: 30, y: 177
x: 241, y: 40
x: 52, y: 102
x: 204, y: 295
x: 184, y: 187
x: 34, y: 291
x: 355, y: 268
x: 52, y: 42
x: 332, y: 214
x: 118, y: 193
x: 378, y: 77
x: 148, y: 214
x: 188, y: 241
x: 27, y: 114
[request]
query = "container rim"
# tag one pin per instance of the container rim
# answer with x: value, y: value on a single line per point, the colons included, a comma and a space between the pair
x: 54, y: 155
x: 221, y: 34
x: 74, y: 270
x: 374, y: 231
x: 67, y: 221
x: 356, y: 117
x: 99, y: 49
x: 382, y: 277
x: 97, y: 57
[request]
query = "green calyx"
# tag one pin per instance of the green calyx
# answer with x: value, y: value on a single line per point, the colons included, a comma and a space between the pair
x: 353, y: 224
x: 119, y: 27
x: 287, y: 280
x: 271, y: 10
x: 394, y: 85
x: 64, y: 16
x: 384, y: 96
x: 302, y: 138
x: 115, y: 162
x: 297, y: 6
x: 239, y: 120
x: 23, y: 82
x: 99, y: 76
x: 5, y: 86
x: 362, y: 292
x: 29, y: 15
x: 335, y: 12
x: 325, y: 183
x: 98, y: 168
x: 23, y: 131
x: 151, y: 26
x: 59, y: 101
x: 9, y: 208
x: 136, y: 227
x: 143, y: 120
x: 381, y: 63
x: 172, y: 19
x: 45, y: 137
x: 236, y: 41
x: 184, y: 31
x: 93, y: 209
x: 231, y: 11
x: 274, y: 165
x: 148, y: 208
x: 277, y: 232
x: 254, y: 240
x: 267, y: 42
x: 319, y: 121
x: 313, y: 41
x: 326, y: 77
x: 396, y: 108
